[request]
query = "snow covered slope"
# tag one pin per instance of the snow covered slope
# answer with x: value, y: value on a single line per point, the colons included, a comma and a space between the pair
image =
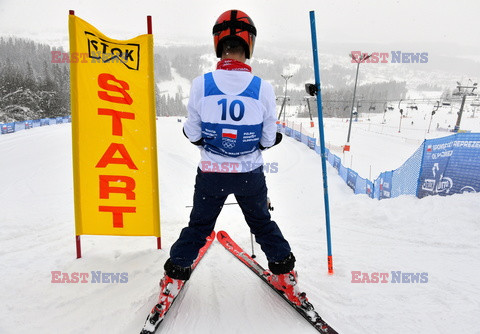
x: 435, y: 235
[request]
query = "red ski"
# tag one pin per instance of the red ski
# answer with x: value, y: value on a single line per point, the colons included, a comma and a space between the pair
x: 306, y: 309
x: 152, y: 322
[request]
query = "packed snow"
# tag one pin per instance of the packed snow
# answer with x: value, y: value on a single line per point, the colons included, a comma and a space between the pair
x: 436, y: 237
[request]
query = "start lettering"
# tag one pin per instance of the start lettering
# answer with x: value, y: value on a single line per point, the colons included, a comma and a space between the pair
x: 115, y: 91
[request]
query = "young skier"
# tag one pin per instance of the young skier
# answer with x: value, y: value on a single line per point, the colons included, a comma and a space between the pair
x: 231, y: 118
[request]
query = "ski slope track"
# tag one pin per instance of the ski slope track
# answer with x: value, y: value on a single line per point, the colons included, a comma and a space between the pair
x: 435, y: 235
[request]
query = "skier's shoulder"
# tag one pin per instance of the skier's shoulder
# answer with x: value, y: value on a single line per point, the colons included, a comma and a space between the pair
x: 266, y: 89
x: 197, y: 86
x: 266, y: 85
x: 198, y: 80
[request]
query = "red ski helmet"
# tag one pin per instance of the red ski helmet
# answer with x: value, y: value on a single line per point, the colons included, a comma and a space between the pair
x: 234, y: 24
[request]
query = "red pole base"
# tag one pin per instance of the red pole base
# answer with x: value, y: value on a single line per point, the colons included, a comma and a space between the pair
x: 312, y: 124
x: 159, y: 243
x: 330, y: 265
x: 79, y: 246
x: 346, y: 148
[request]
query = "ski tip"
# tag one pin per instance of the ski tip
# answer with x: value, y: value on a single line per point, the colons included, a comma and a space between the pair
x: 221, y: 235
x: 212, y: 235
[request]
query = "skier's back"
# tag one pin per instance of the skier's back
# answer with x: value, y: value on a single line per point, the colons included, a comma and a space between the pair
x: 231, y: 118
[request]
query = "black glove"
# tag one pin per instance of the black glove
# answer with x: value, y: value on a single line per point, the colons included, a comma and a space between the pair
x: 278, y: 139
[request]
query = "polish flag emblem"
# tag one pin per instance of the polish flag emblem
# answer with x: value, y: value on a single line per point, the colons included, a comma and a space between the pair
x: 229, y: 133
x: 429, y: 148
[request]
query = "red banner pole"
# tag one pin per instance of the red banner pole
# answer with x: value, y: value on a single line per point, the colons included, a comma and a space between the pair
x: 149, y: 24
x: 78, y: 243
x: 149, y: 31
x: 79, y: 246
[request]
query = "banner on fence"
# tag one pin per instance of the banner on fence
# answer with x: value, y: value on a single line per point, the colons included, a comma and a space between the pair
x: 336, y: 162
x: 297, y: 135
x: 450, y: 165
x: 386, y: 185
x: 8, y: 128
x: 441, y: 166
x: 369, y: 188
x: 113, y: 130
x: 19, y: 126
x: 352, y: 179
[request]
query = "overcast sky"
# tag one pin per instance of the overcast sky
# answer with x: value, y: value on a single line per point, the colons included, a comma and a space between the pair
x: 412, y: 23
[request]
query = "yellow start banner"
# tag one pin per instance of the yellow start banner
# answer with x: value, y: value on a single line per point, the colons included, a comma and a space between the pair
x: 113, y: 133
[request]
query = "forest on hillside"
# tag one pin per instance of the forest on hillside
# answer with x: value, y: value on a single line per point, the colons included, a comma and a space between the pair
x: 33, y: 87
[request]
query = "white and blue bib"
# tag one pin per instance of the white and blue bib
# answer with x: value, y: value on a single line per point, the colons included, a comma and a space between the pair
x: 231, y: 124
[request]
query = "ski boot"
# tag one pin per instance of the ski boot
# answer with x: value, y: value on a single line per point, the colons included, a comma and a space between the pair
x: 169, y: 289
x: 287, y: 284
x: 282, y: 276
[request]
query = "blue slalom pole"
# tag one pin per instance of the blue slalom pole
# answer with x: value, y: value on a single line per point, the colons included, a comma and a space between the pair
x: 322, y: 140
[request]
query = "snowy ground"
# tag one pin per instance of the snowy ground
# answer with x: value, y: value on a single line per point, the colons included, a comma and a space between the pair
x: 435, y: 235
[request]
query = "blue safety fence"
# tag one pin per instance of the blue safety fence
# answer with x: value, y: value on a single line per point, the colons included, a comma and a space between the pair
x: 6, y: 128
x: 450, y: 165
x: 442, y: 166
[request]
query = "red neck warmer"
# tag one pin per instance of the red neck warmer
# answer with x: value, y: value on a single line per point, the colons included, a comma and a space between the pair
x: 233, y: 65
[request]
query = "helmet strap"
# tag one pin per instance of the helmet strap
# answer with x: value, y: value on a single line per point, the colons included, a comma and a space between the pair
x: 233, y: 18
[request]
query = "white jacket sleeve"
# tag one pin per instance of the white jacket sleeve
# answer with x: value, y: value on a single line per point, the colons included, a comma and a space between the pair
x: 193, y: 125
x: 269, y: 130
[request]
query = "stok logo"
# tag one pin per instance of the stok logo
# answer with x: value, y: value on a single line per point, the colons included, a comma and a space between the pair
x: 105, y: 51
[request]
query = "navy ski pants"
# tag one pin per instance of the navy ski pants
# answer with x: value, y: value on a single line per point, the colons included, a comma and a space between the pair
x: 211, y: 191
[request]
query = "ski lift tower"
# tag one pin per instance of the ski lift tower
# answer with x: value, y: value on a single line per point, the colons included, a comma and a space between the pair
x: 357, y: 60
x: 401, y: 116
x: 437, y: 106
x: 463, y: 91
x: 359, y: 105
x: 307, y: 98
x: 284, y: 107
x: 387, y: 106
